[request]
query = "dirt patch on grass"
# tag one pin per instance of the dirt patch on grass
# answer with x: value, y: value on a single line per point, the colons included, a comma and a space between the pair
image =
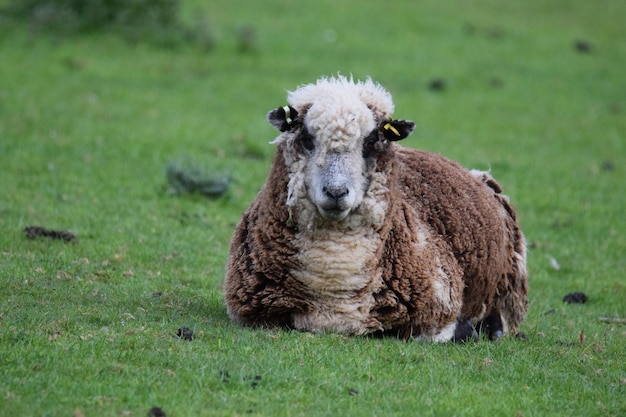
x: 33, y: 232
x: 185, y: 333
x: 575, y: 298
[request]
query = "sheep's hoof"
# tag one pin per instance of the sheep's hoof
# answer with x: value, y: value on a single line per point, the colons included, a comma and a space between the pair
x: 492, y: 326
x: 464, y: 332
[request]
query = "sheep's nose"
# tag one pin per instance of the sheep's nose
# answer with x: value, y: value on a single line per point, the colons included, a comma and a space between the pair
x: 336, y: 192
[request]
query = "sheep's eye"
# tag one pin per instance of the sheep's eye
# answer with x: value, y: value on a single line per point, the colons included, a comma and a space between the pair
x: 371, y: 144
x: 307, y: 140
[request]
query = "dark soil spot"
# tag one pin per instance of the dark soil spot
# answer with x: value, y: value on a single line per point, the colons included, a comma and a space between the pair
x: 582, y: 46
x: 496, y: 82
x: 35, y: 231
x: 437, y: 84
x: 608, y: 166
x: 575, y: 298
x: 185, y: 333
x: 156, y: 412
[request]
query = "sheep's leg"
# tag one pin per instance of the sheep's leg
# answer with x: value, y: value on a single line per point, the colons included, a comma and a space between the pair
x: 464, y: 331
x: 459, y: 331
x: 492, y: 326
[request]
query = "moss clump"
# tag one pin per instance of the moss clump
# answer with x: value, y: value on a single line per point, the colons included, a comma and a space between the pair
x: 189, y: 178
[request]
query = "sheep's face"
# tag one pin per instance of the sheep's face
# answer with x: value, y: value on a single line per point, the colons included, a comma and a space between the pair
x: 334, y: 146
x: 336, y: 174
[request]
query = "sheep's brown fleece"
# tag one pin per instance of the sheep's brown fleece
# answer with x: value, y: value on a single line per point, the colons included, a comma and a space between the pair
x: 468, y: 228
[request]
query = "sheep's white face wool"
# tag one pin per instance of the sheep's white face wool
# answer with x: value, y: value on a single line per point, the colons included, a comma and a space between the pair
x: 335, y: 177
x: 331, y: 179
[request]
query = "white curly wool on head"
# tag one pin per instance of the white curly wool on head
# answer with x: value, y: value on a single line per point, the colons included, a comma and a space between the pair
x: 341, y: 88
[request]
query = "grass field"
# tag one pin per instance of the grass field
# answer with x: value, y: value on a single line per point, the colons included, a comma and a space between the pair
x: 534, y: 91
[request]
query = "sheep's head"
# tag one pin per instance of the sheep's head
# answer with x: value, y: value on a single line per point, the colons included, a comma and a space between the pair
x: 334, y: 133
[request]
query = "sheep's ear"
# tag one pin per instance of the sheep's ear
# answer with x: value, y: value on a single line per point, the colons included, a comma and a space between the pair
x: 282, y: 118
x: 397, y: 129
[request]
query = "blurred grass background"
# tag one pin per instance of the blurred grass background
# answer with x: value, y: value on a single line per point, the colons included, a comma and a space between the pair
x: 92, y: 114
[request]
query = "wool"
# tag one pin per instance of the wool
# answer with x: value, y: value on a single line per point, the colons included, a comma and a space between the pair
x: 423, y: 246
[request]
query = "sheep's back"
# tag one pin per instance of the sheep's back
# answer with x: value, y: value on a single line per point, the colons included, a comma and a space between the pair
x: 469, y: 216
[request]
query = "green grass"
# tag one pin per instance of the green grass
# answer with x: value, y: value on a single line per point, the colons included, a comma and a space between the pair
x: 88, y: 125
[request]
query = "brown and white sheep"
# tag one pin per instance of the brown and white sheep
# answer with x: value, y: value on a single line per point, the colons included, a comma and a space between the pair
x: 352, y: 233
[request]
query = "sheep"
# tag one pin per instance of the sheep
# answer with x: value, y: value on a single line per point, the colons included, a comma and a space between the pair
x: 354, y: 234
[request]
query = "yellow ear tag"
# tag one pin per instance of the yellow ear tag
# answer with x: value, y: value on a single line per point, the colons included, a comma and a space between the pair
x: 287, y: 114
x: 388, y: 126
